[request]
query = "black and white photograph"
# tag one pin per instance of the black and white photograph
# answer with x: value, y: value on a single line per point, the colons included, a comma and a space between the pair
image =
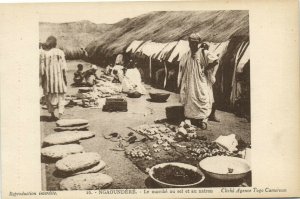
x: 157, y: 100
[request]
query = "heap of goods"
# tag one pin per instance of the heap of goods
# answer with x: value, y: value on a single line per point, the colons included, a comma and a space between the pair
x: 78, y: 162
x: 67, y: 137
x: 165, y: 133
x: 108, y: 88
x: 204, y: 149
x: 183, y: 141
x: 140, y: 152
x: 88, y: 97
x: 60, y: 151
x: 91, y: 181
x: 176, y: 175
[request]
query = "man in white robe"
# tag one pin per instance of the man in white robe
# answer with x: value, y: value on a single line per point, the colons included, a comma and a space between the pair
x: 195, y: 92
x: 210, y: 72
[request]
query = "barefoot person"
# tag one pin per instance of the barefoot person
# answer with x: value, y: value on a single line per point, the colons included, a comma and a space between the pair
x: 195, y: 92
x: 54, y: 80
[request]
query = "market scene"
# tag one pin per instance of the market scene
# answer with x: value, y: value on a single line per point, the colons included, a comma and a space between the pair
x: 161, y: 100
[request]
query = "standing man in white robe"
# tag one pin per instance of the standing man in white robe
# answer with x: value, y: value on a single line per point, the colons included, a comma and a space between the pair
x: 195, y: 92
x: 210, y: 72
x: 53, y: 65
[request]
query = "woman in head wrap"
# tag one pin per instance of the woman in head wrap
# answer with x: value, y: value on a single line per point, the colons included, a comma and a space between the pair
x: 53, y: 71
x: 195, y: 92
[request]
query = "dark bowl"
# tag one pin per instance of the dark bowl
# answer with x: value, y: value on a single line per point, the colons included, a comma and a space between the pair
x: 159, y: 97
x: 134, y: 95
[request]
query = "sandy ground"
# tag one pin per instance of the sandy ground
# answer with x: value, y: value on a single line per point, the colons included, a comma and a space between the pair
x: 140, y: 111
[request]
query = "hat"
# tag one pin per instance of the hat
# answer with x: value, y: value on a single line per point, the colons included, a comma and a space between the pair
x: 94, y: 67
x: 195, y: 37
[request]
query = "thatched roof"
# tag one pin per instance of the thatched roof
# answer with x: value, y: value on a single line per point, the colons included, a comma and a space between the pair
x: 163, y: 26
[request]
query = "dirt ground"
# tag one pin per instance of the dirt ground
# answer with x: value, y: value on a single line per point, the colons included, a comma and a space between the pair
x: 140, y: 111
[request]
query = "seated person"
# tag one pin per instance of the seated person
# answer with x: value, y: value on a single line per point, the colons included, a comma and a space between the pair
x: 117, y: 70
x: 108, y: 69
x: 78, y: 75
x: 90, y: 76
x: 132, y: 81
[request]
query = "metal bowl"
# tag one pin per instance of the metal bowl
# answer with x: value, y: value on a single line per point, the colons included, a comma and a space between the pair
x: 178, y: 164
x: 225, y: 167
x: 159, y: 97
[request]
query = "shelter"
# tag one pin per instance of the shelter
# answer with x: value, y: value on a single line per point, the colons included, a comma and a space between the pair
x: 161, y: 64
x: 158, y: 50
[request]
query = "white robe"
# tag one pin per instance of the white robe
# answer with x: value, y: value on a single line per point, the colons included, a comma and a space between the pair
x: 132, y: 81
x: 195, y: 92
x: 52, y: 64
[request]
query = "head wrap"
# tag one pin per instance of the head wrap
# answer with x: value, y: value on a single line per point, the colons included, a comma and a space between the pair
x: 94, y: 67
x: 195, y: 37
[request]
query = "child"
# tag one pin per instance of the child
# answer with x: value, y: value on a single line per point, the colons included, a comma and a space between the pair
x: 78, y: 75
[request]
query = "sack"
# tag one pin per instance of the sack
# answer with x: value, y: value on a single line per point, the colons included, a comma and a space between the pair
x: 60, y: 151
x: 93, y: 181
x: 78, y: 162
x: 71, y: 122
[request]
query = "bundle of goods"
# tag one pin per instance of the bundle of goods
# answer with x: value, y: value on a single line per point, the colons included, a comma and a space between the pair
x: 93, y: 181
x: 106, y: 78
x: 60, y: 151
x: 109, y: 88
x: 78, y: 162
x: 115, y: 104
x: 85, y: 89
x: 71, y: 124
x: 67, y: 137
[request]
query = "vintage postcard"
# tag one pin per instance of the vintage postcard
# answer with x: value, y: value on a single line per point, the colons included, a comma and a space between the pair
x: 150, y: 99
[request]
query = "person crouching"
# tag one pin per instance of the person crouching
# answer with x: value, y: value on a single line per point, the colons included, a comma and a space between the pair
x: 78, y: 75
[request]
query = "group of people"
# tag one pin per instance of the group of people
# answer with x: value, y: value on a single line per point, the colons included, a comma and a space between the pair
x: 129, y: 77
x: 87, y: 78
x: 196, y: 76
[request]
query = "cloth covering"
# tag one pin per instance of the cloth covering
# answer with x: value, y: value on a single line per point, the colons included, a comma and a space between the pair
x: 54, y: 99
x: 195, y: 92
x: 53, y: 63
x: 132, y: 81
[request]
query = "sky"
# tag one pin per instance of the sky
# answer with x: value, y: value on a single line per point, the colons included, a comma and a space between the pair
x: 97, y: 13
